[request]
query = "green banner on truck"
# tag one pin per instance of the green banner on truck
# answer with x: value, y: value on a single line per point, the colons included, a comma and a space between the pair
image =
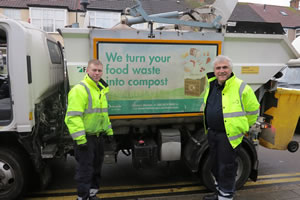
x: 155, y: 77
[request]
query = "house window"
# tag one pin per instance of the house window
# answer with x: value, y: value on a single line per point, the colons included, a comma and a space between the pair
x: 104, y: 19
x: 297, y: 32
x: 48, y: 19
x: 12, y: 13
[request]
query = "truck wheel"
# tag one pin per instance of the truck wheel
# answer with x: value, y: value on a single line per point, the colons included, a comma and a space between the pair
x: 243, y: 171
x: 12, y: 174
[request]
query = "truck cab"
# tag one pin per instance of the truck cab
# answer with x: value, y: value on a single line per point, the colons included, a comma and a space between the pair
x: 31, y: 114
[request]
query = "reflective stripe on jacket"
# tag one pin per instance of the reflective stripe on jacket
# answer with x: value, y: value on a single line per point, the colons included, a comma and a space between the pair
x: 239, y: 105
x: 87, y: 111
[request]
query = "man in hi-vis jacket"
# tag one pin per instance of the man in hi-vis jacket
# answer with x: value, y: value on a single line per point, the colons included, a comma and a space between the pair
x: 231, y: 107
x: 87, y: 120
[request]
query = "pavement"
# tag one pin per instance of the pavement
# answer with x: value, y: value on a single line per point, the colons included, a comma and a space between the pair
x: 277, y: 192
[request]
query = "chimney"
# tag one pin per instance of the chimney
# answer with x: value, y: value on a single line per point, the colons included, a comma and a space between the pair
x: 294, y: 4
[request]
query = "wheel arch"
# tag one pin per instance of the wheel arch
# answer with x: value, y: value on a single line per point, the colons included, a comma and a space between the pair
x: 194, y: 153
x: 11, y: 139
x: 23, y: 144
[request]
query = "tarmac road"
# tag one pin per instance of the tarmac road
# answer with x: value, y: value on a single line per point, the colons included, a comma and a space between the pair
x: 279, y: 178
x: 275, y: 187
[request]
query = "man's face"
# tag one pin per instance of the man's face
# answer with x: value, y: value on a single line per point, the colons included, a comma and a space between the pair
x: 222, y: 71
x: 95, y: 72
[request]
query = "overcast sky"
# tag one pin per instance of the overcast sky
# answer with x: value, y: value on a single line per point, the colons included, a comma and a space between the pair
x: 270, y: 2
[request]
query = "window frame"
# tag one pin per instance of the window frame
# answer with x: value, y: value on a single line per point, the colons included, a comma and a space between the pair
x: 286, y: 31
x: 13, y: 11
x: 101, y: 12
x: 43, y: 19
x: 283, y: 13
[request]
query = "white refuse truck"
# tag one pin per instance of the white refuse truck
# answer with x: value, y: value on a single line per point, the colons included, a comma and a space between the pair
x: 156, y: 79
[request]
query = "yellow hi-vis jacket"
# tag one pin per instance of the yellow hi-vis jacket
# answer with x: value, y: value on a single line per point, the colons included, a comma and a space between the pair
x: 87, y: 111
x: 240, y: 107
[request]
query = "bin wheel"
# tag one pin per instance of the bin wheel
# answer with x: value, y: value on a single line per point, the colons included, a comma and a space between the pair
x: 293, y: 146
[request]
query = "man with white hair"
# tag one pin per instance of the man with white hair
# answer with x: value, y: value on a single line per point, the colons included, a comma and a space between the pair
x: 231, y: 107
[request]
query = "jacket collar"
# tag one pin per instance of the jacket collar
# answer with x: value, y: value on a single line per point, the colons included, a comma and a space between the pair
x: 230, y: 80
x: 91, y: 82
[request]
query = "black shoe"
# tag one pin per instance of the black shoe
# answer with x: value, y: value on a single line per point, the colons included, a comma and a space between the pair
x: 94, y: 198
x: 211, y: 197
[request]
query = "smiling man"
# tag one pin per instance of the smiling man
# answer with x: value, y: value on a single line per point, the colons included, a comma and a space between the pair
x: 231, y: 107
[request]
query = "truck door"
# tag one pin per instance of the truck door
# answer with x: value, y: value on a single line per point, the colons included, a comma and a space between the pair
x: 5, y: 100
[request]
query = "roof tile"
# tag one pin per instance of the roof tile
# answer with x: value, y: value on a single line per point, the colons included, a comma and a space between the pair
x: 272, y: 13
x: 243, y: 12
x: 70, y: 4
x: 153, y: 6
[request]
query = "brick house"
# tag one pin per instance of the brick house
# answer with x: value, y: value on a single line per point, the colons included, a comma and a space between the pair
x: 289, y: 17
x: 52, y: 14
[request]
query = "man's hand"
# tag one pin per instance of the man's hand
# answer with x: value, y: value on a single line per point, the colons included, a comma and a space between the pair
x: 109, y: 138
x: 82, y: 147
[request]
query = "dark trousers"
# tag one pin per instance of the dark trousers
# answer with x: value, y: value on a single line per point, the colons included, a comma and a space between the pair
x: 89, y: 165
x: 223, y: 159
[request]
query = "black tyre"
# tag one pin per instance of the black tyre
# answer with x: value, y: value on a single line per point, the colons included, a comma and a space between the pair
x: 243, y: 171
x: 12, y: 173
x: 293, y: 146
